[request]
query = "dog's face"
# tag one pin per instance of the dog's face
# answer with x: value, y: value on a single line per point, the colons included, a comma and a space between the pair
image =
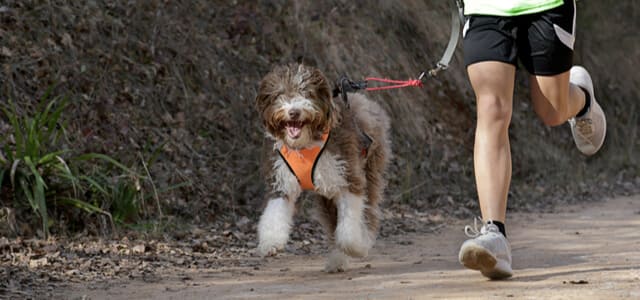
x: 296, y: 105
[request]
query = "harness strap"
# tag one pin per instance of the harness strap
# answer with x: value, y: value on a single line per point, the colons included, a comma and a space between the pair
x: 302, y: 163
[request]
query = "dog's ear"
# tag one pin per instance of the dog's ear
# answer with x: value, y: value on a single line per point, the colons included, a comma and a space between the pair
x: 268, y: 91
x: 322, y: 91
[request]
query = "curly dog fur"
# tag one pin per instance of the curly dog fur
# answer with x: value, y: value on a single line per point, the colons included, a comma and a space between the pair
x: 296, y: 106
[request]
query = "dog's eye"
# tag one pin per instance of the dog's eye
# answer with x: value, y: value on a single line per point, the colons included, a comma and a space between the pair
x: 280, y: 98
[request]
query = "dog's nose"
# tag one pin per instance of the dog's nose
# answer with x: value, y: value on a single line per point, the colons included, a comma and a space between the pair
x: 294, y: 114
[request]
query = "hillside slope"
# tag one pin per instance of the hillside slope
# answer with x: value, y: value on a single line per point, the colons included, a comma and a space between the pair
x: 182, y: 75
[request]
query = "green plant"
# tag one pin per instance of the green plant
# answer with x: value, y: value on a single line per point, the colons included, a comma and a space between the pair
x: 28, y: 159
x: 119, y: 195
x: 41, y: 174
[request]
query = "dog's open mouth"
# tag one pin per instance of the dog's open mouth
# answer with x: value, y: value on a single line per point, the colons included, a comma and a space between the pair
x: 294, y: 129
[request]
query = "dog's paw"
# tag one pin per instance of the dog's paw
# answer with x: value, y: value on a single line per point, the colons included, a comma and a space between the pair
x: 354, y: 248
x: 264, y: 250
x: 337, y: 262
x: 353, y: 241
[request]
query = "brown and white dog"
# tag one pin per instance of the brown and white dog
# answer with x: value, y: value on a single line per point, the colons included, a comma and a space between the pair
x: 318, y: 146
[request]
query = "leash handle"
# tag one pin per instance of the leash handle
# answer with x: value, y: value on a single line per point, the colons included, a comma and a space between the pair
x: 457, y: 18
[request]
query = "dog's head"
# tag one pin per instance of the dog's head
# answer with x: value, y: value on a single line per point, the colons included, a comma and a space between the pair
x: 296, y: 105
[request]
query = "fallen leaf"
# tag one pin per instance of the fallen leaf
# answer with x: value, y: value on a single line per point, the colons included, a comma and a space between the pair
x: 139, y: 249
x: 4, y: 51
x: 35, y: 263
x: 66, y: 40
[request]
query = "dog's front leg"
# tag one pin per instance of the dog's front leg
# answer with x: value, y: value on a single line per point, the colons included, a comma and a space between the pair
x: 351, y: 234
x: 274, y: 226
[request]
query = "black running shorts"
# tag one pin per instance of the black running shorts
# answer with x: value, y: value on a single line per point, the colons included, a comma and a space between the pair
x: 543, y: 42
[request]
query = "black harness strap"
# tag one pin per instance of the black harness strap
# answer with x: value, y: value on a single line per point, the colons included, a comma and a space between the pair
x: 344, y: 86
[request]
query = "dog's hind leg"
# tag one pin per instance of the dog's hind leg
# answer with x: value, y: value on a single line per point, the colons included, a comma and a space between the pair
x: 326, y: 213
x: 275, y: 225
x: 375, y: 190
x: 352, y: 236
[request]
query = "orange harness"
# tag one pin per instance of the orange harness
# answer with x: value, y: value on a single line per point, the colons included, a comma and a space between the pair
x: 303, y: 162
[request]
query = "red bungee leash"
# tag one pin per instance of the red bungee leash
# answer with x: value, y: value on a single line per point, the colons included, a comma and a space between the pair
x: 345, y: 85
x: 396, y: 84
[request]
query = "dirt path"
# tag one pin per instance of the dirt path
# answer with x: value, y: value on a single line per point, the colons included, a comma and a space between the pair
x: 582, y: 253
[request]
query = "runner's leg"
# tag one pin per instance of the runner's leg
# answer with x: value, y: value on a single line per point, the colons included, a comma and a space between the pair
x: 554, y: 99
x: 493, y: 84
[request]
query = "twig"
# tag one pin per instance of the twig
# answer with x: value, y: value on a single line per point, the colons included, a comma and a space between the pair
x: 437, y: 227
x: 179, y: 76
x: 153, y: 186
x: 395, y: 197
x: 12, y: 291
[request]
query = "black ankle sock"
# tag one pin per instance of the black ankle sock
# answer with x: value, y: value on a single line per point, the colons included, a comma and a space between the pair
x: 587, y: 103
x: 500, y: 227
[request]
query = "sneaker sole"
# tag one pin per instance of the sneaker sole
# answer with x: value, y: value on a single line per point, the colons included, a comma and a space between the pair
x: 584, y: 80
x: 595, y: 150
x: 475, y: 257
x: 478, y: 258
x: 604, y: 117
x: 501, y: 270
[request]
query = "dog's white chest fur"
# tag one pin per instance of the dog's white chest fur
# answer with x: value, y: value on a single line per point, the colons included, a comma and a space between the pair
x: 328, y: 176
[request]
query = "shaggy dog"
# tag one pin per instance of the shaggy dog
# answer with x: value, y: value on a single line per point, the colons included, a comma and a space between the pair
x: 336, y: 150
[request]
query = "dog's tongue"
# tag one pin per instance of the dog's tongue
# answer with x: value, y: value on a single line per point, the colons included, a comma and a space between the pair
x: 294, y: 130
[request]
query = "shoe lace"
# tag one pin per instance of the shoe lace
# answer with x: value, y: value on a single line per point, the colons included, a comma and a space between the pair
x: 485, y: 228
x: 584, y: 127
x: 473, y: 232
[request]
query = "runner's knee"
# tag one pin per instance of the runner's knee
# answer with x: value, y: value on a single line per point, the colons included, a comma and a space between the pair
x: 494, y: 110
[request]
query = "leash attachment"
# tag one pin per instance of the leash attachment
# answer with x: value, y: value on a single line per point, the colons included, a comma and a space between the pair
x: 345, y: 85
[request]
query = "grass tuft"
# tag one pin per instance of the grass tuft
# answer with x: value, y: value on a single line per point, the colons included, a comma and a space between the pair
x: 43, y: 174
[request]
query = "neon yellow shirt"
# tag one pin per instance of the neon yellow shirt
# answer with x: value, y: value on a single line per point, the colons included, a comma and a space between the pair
x: 508, y: 8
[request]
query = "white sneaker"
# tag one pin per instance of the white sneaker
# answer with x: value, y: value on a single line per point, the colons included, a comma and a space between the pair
x: 488, y: 251
x: 590, y: 129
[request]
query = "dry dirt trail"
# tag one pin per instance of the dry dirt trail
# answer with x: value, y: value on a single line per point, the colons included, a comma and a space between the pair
x: 583, y: 252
